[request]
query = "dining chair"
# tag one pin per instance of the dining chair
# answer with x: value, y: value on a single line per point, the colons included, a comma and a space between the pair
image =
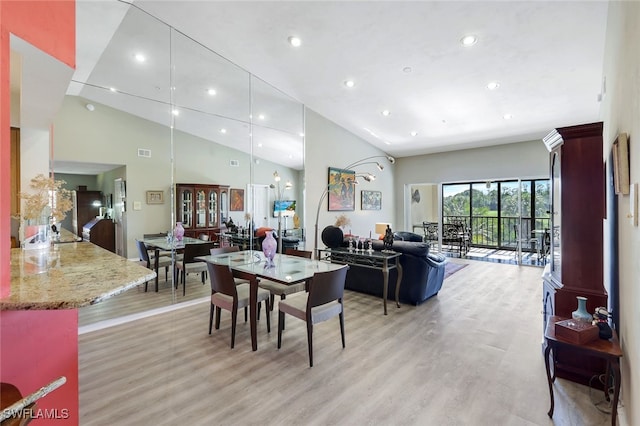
x: 225, y: 294
x: 280, y: 289
x: 322, y: 302
x: 163, y: 262
x: 189, y: 264
x: 521, y: 242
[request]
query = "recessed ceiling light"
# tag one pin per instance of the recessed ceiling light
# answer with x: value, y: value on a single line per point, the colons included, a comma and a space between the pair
x: 140, y: 57
x: 212, y: 92
x: 259, y: 145
x: 223, y: 130
x: 386, y: 112
x: 414, y: 133
x: 349, y: 83
x: 112, y: 89
x: 507, y: 116
x: 294, y: 41
x: 387, y: 142
x: 301, y: 135
x: 493, y: 85
x: 469, y: 40
x: 407, y: 70
x: 175, y: 112
x: 261, y: 117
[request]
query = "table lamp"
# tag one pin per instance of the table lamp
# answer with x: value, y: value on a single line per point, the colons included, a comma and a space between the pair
x: 381, y: 228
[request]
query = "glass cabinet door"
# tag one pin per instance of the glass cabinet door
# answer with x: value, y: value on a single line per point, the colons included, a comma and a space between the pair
x: 224, y: 206
x: 556, y: 217
x: 213, y: 208
x: 201, y: 209
x: 186, y: 212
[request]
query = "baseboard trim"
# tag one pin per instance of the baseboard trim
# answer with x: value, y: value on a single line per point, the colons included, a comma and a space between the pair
x: 101, y: 325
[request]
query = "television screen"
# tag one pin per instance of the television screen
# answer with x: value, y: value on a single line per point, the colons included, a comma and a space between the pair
x: 287, y: 207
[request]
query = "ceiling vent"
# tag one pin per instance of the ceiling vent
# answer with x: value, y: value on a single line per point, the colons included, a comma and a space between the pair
x: 234, y: 163
x: 146, y: 153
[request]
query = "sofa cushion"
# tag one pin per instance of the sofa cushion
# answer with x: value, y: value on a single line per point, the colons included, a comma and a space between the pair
x: 423, y: 274
x: 407, y: 236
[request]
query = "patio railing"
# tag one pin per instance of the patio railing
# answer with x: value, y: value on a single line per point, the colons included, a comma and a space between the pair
x: 499, y: 233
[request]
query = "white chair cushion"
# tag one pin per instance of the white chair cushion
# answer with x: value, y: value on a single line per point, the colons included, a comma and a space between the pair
x: 296, y: 306
x: 192, y: 267
x: 280, y: 289
x: 226, y: 302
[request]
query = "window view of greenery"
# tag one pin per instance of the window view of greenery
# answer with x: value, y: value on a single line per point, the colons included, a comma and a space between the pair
x: 491, y: 211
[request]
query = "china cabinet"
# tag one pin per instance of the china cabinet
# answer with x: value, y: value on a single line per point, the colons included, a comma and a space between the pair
x: 201, y: 208
x: 577, y: 208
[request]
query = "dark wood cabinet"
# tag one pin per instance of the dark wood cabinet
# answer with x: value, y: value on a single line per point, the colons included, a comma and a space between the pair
x: 202, y: 208
x: 86, y: 206
x: 101, y: 232
x: 577, y: 174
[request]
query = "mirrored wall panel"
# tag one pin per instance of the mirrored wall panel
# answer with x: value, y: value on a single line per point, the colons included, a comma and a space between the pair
x: 174, y: 132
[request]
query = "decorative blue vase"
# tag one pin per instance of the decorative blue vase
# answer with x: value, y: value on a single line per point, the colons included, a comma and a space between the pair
x: 269, y: 247
x: 581, y: 313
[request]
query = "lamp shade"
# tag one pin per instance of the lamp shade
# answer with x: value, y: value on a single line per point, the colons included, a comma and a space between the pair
x: 381, y: 228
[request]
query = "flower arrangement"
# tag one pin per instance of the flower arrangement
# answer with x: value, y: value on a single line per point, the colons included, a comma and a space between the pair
x: 342, y: 221
x: 48, y: 200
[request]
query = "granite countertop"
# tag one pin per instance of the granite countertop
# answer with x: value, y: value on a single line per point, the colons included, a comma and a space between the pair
x: 68, y: 276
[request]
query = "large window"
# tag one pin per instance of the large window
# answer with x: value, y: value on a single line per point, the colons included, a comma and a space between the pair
x: 497, y: 212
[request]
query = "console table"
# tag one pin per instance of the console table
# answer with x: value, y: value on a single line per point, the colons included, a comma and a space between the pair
x: 384, y: 261
x: 609, y: 350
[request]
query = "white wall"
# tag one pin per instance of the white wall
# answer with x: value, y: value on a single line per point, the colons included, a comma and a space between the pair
x: 329, y: 145
x: 517, y: 160
x: 620, y: 112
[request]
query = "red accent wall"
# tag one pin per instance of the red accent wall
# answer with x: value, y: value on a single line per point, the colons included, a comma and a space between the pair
x: 36, y: 347
x: 51, y: 27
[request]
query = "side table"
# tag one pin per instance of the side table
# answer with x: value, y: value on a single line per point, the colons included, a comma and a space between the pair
x: 383, y: 261
x: 609, y: 350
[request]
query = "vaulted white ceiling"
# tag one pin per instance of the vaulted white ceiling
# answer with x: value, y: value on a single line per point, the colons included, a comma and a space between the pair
x: 546, y: 56
x: 404, y: 56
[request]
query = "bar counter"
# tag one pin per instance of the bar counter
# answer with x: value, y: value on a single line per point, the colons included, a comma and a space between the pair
x: 39, y: 319
x: 69, y: 275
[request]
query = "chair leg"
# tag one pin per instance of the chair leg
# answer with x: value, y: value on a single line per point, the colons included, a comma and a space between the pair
x: 234, y: 317
x: 211, y: 309
x: 280, y: 325
x: 272, y: 301
x: 341, y: 315
x: 146, y: 284
x: 246, y: 312
x: 310, y: 341
x: 218, y: 311
x: 259, y: 309
x: 267, y: 313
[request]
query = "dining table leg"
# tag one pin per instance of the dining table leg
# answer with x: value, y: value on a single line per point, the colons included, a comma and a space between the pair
x: 156, y: 264
x: 253, y: 311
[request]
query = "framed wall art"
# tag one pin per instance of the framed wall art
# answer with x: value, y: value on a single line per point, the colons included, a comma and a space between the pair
x: 237, y: 200
x: 370, y: 200
x: 341, y: 190
x: 155, y: 197
x: 621, y: 164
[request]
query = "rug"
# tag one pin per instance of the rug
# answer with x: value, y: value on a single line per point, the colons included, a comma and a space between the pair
x: 451, y: 268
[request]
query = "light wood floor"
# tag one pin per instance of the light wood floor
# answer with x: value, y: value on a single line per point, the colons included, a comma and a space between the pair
x: 469, y: 356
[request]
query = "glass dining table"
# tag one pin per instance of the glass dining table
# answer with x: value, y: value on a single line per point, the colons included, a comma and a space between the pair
x: 251, y: 265
x: 162, y: 243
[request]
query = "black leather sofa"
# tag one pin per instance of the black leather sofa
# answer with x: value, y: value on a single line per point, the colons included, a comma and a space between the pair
x: 422, y: 274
